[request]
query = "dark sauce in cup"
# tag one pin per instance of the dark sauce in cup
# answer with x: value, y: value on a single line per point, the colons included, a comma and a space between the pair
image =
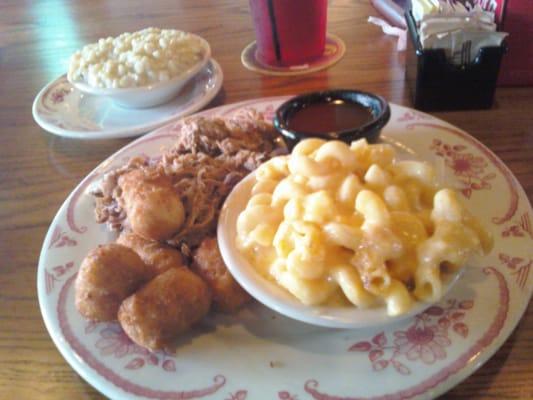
x: 339, y: 114
x: 328, y: 119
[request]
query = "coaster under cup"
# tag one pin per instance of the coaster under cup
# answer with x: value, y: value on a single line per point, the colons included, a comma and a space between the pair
x: 333, y: 52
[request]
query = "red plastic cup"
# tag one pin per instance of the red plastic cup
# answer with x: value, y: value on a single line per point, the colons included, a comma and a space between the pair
x: 289, y: 32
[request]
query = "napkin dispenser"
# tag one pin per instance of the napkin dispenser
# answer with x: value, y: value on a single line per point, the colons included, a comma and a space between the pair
x: 437, y: 84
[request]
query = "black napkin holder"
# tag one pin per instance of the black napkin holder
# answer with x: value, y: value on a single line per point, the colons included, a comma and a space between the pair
x: 436, y: 84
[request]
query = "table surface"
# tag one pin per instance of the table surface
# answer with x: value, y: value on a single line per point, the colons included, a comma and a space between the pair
x: 38, y: 170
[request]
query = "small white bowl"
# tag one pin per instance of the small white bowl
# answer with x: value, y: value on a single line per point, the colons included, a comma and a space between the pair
x: 153, y: 94
x: 277, y: 298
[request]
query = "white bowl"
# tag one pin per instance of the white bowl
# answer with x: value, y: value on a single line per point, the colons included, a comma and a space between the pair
x: 277, y: 298
x: 153, y: 94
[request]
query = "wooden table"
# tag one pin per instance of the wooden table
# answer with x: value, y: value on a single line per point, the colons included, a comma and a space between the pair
x: 38, y: 170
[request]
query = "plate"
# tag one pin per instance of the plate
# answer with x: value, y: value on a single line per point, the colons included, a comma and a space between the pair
x: 259, y: 354
x: 273, y: 296
x: 63, y: 110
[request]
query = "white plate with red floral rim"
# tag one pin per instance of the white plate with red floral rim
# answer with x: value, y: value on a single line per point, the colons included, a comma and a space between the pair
x: 65, y: 111
x: 259, y: 354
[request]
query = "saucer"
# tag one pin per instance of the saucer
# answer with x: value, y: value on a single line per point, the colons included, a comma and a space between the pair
x: 63, y: 110
x: 333, y: 52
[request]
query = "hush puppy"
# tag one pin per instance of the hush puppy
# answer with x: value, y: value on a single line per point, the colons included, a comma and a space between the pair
x: 153, y: 207
x: 228, y: 296
x: 108, y: 275
x: 165, y: 307
x: 158, y: 257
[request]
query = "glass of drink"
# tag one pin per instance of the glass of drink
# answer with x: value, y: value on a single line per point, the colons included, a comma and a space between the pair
x: 289, y: 32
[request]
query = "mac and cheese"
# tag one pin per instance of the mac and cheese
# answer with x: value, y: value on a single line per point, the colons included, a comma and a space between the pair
x: 333, y: 223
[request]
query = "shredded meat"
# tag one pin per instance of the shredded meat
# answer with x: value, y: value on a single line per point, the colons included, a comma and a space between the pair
x: 246, y: 131
x: 208, y: 158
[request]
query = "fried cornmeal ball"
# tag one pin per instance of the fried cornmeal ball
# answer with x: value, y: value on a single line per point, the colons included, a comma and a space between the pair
x: 108, y: 275
x: 153, y: 208
x: 228, y: 296
x: 157, y: 256
x: 165, y: 307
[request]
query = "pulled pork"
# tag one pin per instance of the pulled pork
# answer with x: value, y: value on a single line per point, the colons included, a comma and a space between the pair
x: 207, y: 159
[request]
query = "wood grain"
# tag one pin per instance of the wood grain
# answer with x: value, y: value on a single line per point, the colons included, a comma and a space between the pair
x: 38, y: 170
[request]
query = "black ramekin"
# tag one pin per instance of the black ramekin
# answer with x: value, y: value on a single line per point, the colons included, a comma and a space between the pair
x: 377, y: 105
